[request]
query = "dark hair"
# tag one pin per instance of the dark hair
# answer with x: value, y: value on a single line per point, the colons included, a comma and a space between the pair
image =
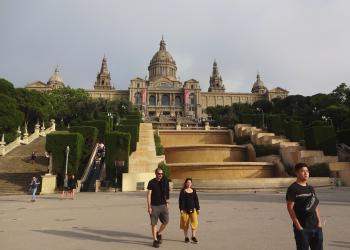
x: 157, y: 169
x: 299, y: 166
x: 187, y: 179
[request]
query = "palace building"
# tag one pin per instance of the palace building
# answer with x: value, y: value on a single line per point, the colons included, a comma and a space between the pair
x: 163, y: 94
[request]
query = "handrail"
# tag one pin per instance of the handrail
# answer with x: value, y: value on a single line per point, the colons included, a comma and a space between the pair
x: 89, y: 165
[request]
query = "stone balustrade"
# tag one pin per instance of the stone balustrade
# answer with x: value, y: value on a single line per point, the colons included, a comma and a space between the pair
x: 25, y: 138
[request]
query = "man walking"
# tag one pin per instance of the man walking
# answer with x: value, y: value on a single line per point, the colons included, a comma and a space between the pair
x: 157, y: 203
x: 302, y: 207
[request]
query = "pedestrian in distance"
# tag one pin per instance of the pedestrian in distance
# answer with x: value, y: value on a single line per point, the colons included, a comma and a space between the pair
x: 72, y: 184
x: 189, y: 210
x: 65, y: 187
x: 302, y: 206
x: 158, y: 205
x: 34, y: 187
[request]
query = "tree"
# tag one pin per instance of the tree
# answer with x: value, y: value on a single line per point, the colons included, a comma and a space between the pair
x: 342, y: 93
x: 7, y: 88
x: 11, y: 117
x: 265, y: 105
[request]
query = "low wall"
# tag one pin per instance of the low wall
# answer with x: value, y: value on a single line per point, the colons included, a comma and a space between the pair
x: 180, y: 137
x: 205, y: 153
x: 221, y: 170
x: 252, y: 183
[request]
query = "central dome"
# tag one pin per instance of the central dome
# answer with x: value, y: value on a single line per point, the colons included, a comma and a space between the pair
x: 162, y: 65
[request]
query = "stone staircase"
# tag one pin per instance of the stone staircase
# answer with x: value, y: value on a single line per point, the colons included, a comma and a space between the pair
x: 290, y: 152
x: 16, y: 170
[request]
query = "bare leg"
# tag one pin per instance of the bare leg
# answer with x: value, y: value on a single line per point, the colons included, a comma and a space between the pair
x: 161, y: 228
x: 185, y: 232
x: 154, y: 232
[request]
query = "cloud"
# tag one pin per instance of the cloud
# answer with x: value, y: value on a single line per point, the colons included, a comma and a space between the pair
x: 298, y: 45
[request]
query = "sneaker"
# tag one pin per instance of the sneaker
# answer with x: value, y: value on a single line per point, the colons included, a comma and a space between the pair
x: 194, y: 240
x: 159, y: 238
x: 156, y: 243
x: 187, y: 239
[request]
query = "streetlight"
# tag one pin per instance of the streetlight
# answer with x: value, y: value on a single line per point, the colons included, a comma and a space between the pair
x: 67, y: 153
x: 327, y: 118
x: 110, y: 116
x: 262, y: 111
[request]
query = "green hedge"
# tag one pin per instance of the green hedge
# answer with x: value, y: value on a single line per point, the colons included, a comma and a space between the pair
x: 263, y: 150
x: 246, y: 119
x: 101, y: 125
x: 321, y: 138
x: 319, y: 123
x: 57, y: 142
x: 166, y: 170
x: 117, y: 149
x: 133, y: 131
x: 158, y: 145
x: 274, y: 124
x: 90, y: 138
x: 132, y: 122
x: 294, y: 131
x: 343, y: 136
x: 319, y: 170
x: 242, y: 139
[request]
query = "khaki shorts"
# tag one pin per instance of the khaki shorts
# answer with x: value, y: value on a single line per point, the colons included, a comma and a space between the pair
x: 159, y: 212
x: 186, y: 218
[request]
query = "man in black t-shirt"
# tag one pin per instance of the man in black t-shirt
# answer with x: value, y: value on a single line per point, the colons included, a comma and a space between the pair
x: 307, y: 225
x: 157, y: 203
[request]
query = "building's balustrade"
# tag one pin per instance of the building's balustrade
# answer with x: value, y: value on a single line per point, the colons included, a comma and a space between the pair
x: 25, y: 138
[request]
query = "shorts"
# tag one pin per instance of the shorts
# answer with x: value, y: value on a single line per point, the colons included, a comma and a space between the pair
x: 185, y: 219
x: 159, y: 212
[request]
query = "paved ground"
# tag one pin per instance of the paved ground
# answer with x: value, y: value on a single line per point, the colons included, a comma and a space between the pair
x: 119, y: 221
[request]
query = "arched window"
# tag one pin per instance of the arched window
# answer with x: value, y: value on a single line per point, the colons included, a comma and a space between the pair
x: 138, y: 98
x: 152, y: 100
x: 103, y: 82
x: 165, y: 100
x: 178, y: 101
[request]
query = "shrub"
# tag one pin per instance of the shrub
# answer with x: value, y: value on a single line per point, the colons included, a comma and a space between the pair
x: 274, y: 124
x: 57, y: 142
x: 158, y: 145
x: 320, y: 170
x: 166, y: 170
x: 343, y: 136
x: 101, y: 125
x: 318, y: 123
x: 117, y: 149
x: 263, y: 150
x: 246, y: 119
x: 242, y: 140
x: 133, y: 131
x: 90, y: 137
x: 294, y: 131
x: 132, y: 122
x: 321, y: 138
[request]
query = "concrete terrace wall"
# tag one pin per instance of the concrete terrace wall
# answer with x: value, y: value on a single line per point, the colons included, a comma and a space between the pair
x: 172, y: 137
x: 206, y: 153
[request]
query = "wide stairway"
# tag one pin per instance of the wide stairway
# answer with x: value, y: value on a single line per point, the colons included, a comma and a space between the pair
x: 16, y: 170
x: 144, y: 158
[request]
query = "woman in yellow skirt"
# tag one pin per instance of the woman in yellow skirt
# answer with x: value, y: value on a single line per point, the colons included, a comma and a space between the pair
x: 189, y: 209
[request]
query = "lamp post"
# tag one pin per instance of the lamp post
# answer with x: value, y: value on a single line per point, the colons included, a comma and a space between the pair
x: 110, y: 118
x: 326, y: 118
x: 67, y: 154
x: 263, y: 121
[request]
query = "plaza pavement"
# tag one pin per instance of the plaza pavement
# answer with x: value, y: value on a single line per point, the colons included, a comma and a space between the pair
x: 228, y: 220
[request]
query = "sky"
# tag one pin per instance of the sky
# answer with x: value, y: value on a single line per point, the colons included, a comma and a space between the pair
x: 302, y: 46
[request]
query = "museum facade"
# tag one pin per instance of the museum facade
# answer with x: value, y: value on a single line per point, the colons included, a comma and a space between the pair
x: 163, y: 94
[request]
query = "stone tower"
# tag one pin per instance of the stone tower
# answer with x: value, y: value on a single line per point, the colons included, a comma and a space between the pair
x: 103, y: 80
x: 162, y: 65
x: 258, y: 86
x: 216, y: 80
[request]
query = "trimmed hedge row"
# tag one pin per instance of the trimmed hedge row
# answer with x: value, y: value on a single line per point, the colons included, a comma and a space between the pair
x: 321, y: 138
x: 320, y: 170
x: 274, y: 124
x: 117, y: 149
x: 101, y: 125
x: 132, y: 122
x: 56, y: 144
x: 343, y: 136
x: 263, y: 150
x: 294, y: 131
x: 133, y: 131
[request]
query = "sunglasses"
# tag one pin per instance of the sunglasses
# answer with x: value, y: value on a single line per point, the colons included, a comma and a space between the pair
x: 159, y: 173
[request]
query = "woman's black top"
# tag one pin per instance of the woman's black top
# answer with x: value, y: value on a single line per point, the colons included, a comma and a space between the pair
x: 188, y: 201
